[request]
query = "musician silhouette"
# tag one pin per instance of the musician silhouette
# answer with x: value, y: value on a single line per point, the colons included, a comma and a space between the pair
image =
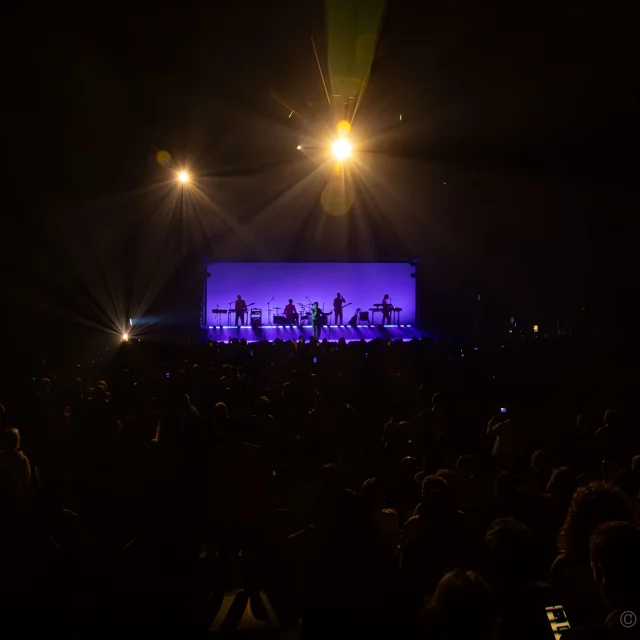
x: 241, y: 309
x: 316, y: 320
x: 337, y: 309
x: 386, y: 309
x: 290, y: 313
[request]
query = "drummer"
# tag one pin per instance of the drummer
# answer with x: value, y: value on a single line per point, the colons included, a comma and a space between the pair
x: 290, y: 314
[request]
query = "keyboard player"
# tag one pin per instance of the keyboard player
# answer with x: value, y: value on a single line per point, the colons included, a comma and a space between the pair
x: 386, y: 309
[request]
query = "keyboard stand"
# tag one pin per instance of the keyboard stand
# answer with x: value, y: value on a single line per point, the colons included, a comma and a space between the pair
x: 395, y: 311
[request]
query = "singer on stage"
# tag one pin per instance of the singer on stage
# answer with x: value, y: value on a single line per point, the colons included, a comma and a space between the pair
x: 316, y: 320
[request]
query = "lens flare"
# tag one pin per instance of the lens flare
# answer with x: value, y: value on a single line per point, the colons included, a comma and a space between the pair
x: 183, y: 176
x: 163, y: 158
x: 344, y: 128
x: 341, y: 149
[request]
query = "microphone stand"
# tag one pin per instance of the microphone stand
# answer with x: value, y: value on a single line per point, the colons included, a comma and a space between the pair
x: 310, y: 312
x: 269, y: 311
x: 328, y: 322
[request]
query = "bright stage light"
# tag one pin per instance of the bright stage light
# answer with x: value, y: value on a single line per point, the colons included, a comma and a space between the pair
x: 125, y: 337
x: 299, y: 147
x: 341, y: 149
x: 183, y: 176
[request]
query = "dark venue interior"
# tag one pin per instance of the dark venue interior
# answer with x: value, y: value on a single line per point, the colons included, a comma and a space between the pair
x: 319, y: 320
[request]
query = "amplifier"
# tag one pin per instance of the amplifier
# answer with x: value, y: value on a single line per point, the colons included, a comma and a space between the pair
x: 279, y: 320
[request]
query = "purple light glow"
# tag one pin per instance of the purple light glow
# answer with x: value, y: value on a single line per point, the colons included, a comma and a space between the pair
x: 362, y: 283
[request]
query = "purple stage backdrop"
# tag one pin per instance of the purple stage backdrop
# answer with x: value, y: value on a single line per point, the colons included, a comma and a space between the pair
x: 361, y: 283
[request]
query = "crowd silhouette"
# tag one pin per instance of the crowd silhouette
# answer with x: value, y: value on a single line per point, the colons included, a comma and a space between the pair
x: 380, y: 489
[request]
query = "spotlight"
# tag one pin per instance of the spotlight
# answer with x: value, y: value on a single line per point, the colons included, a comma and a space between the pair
x: 125, y: 337
x: 341, y: 149
x: 183, y: 176
x: 299, y: 147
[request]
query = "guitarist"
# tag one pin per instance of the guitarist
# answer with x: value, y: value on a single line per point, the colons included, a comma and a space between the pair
x: 338, y: 303
x: 241, y: 310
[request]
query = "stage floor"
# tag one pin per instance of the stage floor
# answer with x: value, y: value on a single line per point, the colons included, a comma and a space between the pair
x: 270, y: 333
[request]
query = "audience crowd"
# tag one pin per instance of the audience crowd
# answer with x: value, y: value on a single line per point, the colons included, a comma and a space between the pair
x: 380, y: 489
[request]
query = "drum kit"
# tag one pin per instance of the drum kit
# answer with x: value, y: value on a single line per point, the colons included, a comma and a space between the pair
x: 296, y: 319
x: 277, y: 318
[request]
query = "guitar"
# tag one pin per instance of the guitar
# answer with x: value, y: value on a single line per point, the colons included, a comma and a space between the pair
x: 346, y: 305
x: 249, y: 305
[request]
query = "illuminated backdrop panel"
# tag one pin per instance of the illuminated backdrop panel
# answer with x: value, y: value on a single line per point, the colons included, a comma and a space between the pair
x: 361, y: 283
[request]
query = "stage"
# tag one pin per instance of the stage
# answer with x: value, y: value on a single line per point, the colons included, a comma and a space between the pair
x: 265, y: 290
x: 333, y: 334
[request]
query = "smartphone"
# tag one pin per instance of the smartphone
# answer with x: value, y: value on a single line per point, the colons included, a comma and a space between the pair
x: 503, y: 410
x: 315, y: 361
x: 168, y: 374
x: 558, y: 620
